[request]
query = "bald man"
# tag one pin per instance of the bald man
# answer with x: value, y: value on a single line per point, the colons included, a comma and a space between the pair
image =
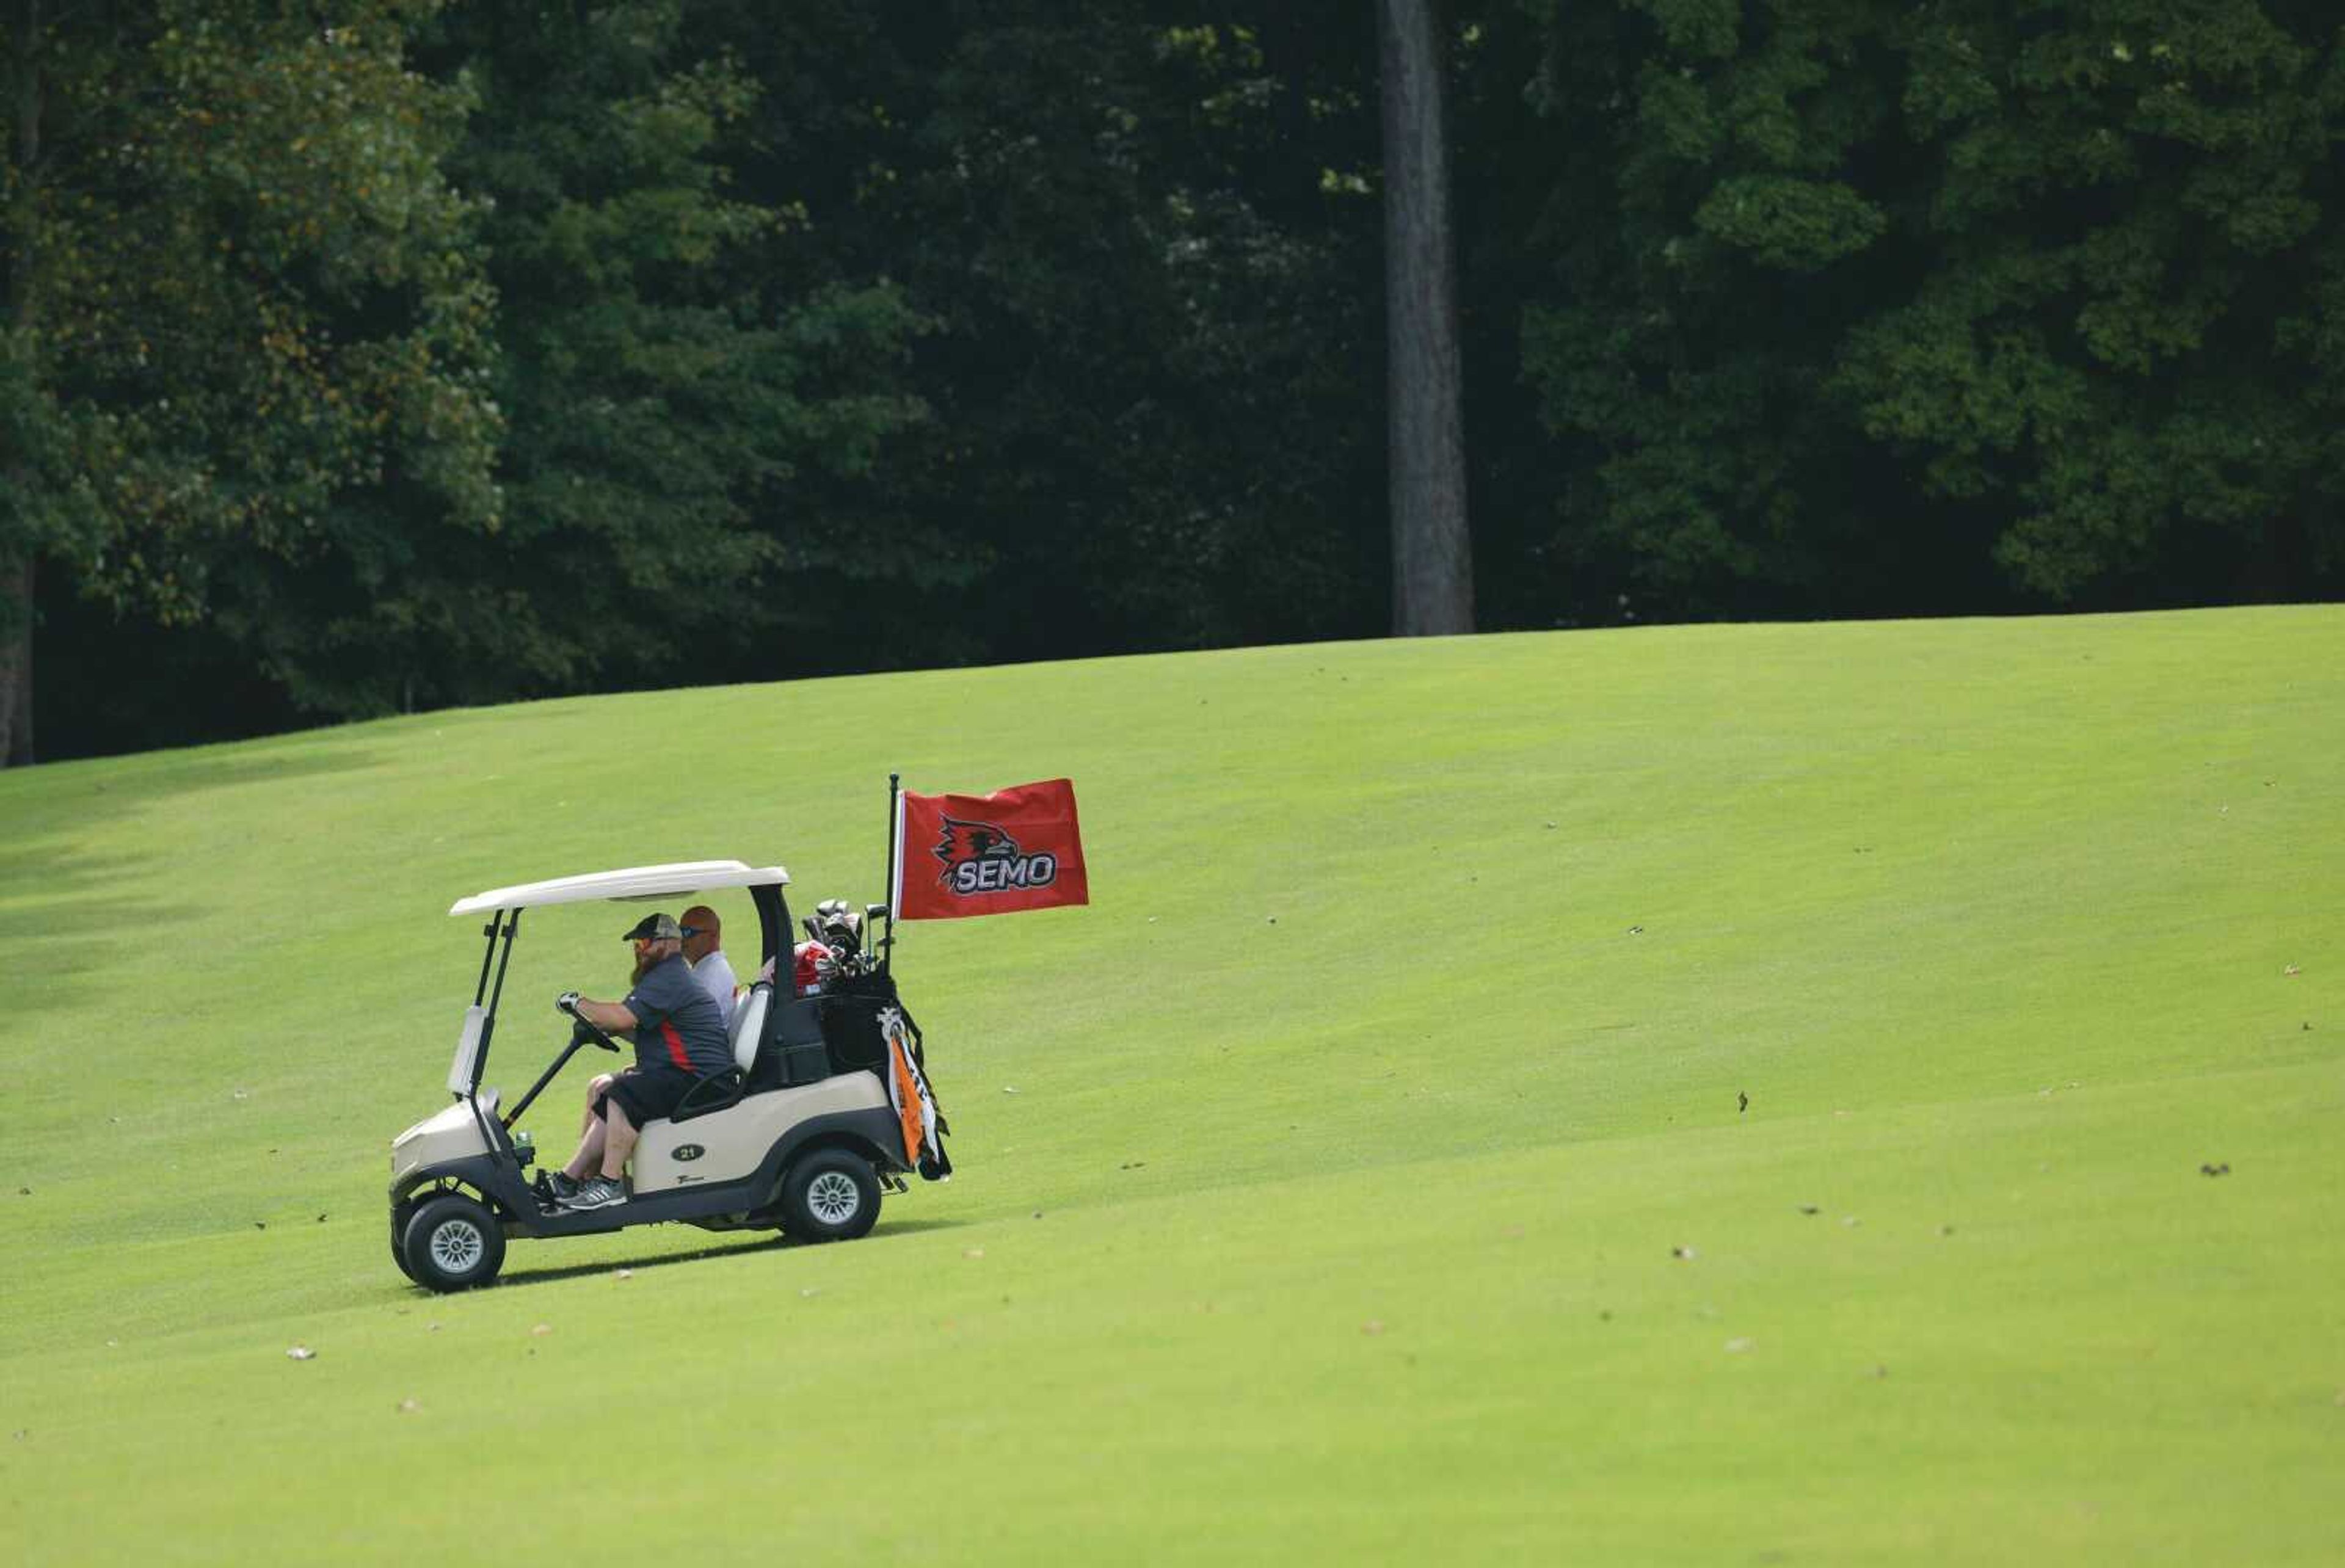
x: 704, y: 949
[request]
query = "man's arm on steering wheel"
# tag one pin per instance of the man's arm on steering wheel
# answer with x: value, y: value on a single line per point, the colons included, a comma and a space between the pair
x: 611, y: 1017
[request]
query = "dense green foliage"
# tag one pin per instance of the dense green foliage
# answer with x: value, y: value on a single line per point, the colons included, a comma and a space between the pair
x: 247, y: 336
x: 463, y: 352
x: 665, y: 383
x: 1891, y: 295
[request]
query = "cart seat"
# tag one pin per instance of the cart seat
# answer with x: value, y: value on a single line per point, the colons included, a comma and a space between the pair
x: 720, y: 1091
x: 749, y: 1024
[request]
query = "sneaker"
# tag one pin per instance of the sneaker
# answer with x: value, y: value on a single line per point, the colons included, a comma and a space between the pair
x: 554, y: 1188
x: 600, y: 1193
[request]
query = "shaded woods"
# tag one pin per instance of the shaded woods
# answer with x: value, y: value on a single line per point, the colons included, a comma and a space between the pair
x: 455, y: 352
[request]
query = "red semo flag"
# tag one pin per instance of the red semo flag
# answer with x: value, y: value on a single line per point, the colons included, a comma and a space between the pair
x: 960, y: 854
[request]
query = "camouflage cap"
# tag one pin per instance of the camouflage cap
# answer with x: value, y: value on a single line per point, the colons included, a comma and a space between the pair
x: 655, y: 928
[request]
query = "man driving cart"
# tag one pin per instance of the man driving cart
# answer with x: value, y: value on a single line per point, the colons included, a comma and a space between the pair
x: 679, y: 1037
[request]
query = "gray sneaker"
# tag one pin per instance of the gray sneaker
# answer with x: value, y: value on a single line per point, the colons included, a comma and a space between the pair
x: 596, y: 1192
x: 559, y: 1184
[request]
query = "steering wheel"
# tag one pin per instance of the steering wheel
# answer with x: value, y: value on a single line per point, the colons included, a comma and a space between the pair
x: 580, y: 1031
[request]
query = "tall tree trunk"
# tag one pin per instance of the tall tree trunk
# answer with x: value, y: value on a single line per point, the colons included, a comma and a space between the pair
x: 16, y: 666
x: 17, y: 570
x: 1433, y: 554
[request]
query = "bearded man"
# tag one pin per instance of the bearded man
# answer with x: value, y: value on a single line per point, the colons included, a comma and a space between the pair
x: 678, y: 1037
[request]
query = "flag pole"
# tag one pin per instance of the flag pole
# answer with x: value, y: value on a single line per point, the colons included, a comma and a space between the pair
x: 895, y: 822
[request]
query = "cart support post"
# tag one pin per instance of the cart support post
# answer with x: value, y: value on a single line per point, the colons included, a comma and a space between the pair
x: 489, y: 1024
x: 481, y: 991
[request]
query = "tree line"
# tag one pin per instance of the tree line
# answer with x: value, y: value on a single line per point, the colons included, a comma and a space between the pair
x: 364, y: 357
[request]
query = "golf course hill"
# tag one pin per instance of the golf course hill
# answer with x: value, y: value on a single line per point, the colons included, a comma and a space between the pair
x: 1841, y: 1093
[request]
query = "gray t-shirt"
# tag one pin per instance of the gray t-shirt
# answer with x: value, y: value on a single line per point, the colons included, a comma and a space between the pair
x: 676, y: 1026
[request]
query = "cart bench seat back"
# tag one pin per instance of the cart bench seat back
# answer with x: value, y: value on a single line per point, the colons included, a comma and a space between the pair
x: 749, y: 1025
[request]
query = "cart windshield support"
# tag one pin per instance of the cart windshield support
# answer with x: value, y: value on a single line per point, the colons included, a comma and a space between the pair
x: 505, y: 923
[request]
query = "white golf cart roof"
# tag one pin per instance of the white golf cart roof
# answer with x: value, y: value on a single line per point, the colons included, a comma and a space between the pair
x: 635, y: 882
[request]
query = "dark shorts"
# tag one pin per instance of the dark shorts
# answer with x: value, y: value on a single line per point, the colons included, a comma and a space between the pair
x: 647, y: 1094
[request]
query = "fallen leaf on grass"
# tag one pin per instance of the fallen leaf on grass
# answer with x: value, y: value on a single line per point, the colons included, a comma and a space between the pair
x: 2291, y: 969
x: 974, y: 1252
x: 1809, y: 1208
x: 1735, y: 1346
x: 541, y: 1330
x: 2222, y: 1169
x: 301, y: 1354
x: 626, y: 1274
x: 1372, y: 1327
x: 431, y: 1327
x: 1851, y: 1220
x: 408, y: 1406
x: 1685, y: 1253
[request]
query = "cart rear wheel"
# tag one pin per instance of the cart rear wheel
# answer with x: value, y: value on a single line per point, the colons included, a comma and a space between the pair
x: 831, y: 1195
x: 452, y: 1243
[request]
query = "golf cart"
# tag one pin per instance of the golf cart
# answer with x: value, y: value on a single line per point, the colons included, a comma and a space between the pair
x: 826, y: 1102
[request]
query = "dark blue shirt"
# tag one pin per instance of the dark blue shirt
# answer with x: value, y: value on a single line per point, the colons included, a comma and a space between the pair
x: 677, y: 1023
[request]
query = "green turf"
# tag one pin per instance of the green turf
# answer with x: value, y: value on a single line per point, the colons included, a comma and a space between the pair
x: 1323, y: 1184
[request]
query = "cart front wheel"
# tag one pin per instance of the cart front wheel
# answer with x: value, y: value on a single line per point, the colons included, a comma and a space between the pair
x: 452, y: 1243
x: 399, y: 1218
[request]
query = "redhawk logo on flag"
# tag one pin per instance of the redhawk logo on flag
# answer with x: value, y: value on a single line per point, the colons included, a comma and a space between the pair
x: 959, y: 854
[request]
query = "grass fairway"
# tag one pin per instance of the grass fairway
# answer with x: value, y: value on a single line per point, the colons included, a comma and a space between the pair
x: 1359, y: 1178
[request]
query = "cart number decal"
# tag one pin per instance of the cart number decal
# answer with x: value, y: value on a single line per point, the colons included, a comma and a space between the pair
x: 689, y: 1151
